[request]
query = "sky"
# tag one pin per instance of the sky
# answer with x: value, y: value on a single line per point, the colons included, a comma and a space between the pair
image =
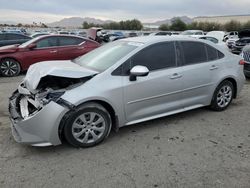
x: 47, y: 11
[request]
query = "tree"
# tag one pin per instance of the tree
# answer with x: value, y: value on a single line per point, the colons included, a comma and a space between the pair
x: 124, y: 25
x: 85, y: 25
x: 233, y: 26
x: 19, y: 25
x: 246, y: 25
x: 178, y: 25
x: 43, y: 25
x: 193, y: 26
x: 164, y: 27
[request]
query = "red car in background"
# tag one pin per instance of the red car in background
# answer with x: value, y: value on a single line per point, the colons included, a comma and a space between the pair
x: 17, y: 58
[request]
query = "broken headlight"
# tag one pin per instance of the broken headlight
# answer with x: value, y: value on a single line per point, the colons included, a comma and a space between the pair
x: 52, y: 96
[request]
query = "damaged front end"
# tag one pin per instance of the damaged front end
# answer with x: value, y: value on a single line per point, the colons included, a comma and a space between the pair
x: 36, y: 107
x: 50, y: 88
x: 36, y: 115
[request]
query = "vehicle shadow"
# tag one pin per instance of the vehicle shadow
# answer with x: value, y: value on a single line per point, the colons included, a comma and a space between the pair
x: 126, y: 131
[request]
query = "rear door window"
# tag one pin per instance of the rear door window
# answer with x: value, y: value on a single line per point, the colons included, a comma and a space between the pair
x: 47, y: 42
x: 70, y: 41
x: 212, y: 53
x: 193, y: 52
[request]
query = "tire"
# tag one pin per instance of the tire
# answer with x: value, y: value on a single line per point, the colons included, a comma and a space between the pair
x: 87, y: 126
x: 9, y: 67
x: 223, y: 96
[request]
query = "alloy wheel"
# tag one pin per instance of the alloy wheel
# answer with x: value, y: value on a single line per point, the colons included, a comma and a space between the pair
x: 9, y: 68
x: 88, y: 127
x: 224, y: 96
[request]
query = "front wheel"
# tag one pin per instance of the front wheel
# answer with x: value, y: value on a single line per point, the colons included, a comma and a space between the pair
x: 88, y: 125
x: 223, y: 96
x: 9, y: 67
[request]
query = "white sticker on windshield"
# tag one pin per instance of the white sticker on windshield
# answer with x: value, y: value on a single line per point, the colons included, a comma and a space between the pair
x: 135, y: 43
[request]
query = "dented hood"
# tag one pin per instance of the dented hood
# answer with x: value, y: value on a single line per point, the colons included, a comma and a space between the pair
x: 66, y: 69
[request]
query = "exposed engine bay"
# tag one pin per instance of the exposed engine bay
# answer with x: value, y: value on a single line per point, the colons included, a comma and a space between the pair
x: 50, y: 88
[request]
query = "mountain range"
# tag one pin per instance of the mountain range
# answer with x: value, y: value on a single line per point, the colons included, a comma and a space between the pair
x: 74, y: 22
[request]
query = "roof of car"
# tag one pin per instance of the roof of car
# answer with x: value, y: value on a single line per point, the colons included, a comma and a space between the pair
x: 60, y: 35
x: 152, y: 39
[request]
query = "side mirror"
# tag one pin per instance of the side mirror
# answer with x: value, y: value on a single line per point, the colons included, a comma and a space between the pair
x: 32, y: 46
x: 138, y: 70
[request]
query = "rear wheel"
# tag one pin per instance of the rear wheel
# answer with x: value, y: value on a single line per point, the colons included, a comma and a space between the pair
x: 223, y: 96
x: 88, y: 125
x: 9, y: 67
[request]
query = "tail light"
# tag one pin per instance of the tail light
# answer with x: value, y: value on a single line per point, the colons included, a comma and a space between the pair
x: 242, y: 62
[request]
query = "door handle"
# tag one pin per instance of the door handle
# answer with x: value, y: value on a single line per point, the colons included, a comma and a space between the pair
x: 53, y: 51
x: 80, y: 48
x: 176, y: 76
x: 214, y: 67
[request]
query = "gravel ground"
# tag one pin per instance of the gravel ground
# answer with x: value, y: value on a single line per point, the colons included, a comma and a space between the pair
x: 199, y: 148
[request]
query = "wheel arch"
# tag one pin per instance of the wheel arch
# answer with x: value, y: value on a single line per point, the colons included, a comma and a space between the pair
x: 106, y: 105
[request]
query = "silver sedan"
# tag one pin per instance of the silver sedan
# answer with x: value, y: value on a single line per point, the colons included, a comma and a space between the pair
x: 119, y: 84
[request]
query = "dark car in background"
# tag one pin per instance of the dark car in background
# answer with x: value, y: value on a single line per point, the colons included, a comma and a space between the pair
x: 112, y: 37
x: 244, y: 39
x: 246, y: 55
x: 14, y: 59
x: 12, y: 38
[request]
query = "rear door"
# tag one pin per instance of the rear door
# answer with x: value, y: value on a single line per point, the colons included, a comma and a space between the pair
x: 196, y: 73
x: 70, y: 47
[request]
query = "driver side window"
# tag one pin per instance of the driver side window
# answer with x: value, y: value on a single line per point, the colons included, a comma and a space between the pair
x: 47, y: 42
x: 155, y: 57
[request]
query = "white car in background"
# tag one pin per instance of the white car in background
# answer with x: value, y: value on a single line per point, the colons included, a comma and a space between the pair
x: 216, y: 37
x: 231, y: 34
x: 231, y: 41
x: 193, y: 33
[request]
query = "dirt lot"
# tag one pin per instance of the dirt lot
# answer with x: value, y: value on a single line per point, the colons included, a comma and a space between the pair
x: 199, y: 148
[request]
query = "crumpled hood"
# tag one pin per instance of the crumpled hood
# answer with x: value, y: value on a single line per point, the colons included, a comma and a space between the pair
x: 66, y: 69
x: 9, y: 49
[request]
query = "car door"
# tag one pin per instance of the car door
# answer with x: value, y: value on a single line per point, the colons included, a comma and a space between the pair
x: 157, y: 93
x: 45, y: 50
x: 71, y: 47
x: 196, y: 73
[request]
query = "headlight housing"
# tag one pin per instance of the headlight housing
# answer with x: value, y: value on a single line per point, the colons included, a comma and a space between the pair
x: 52, y: 96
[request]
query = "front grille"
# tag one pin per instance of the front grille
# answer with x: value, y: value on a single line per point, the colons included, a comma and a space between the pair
x: 246, y: 56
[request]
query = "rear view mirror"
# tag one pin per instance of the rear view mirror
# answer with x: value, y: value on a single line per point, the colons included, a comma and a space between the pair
x: 32, y: 46
x: 138, y: 70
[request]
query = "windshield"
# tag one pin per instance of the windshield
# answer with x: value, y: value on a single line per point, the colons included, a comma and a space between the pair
x: 104, y: 57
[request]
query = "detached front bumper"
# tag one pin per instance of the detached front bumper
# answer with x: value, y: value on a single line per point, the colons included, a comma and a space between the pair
x: 40, y: 128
